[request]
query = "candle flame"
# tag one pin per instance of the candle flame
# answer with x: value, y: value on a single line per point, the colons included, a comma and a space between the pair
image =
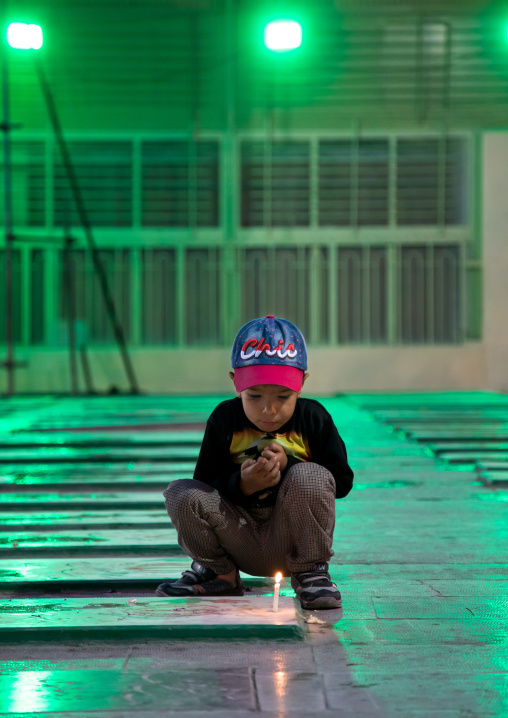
x: 278, y: 577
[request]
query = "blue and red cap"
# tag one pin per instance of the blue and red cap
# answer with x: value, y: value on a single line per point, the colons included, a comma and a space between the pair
x: 269, y: 350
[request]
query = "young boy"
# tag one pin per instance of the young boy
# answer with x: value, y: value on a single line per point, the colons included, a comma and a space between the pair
x: 271, y: 464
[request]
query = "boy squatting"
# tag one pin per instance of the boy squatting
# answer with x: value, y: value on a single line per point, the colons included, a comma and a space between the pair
x: 271, y: 465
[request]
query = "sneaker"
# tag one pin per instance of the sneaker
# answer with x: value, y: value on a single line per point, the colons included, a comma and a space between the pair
x: 315, y: 589
x: 200, y: 581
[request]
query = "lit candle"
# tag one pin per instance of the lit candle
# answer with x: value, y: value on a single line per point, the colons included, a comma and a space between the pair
x: 278, y: 577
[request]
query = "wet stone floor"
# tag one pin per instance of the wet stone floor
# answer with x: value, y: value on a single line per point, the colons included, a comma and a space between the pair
x: 420, y: 558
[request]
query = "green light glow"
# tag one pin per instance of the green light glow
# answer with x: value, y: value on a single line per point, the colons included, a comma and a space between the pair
x: 283, y: 35
x: 22, y: 36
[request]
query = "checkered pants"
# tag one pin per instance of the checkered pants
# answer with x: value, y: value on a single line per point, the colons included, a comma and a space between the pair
x: 291, y: 536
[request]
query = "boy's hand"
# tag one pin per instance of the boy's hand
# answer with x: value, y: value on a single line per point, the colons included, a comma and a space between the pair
x: 260, y: 474
x: 276, y: 450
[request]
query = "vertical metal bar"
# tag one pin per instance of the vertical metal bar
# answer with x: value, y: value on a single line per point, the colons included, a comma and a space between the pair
x: 192, y: 161
x: 316, y: 312
x: 51, y: 291
x: 181, y: 284
x: 267, y: 180
x: 366, y: 274
x: 332, y: 294
x: 136, y: 297
x: 392, y: 182
x: 136, y: 169
x: 355, y: 189
x: 393, y: 298
x: 430, y: 263
x: 25, y: 293
x: 463, y: 296
x: 9, y: 237
x: 314, y: 182
x: 49, y: 158
x: 441, y: 195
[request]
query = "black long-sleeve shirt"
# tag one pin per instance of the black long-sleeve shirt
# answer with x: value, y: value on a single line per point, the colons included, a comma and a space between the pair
x: 230, y: 439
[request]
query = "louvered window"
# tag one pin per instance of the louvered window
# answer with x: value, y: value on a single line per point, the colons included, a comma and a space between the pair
x: 180, y: 184
x: 275, y: 184
x: 158, y: 296
x: 104, y: 174
x: 276, y: 281
x: 431, y: 182
x: 93, y: 324
x: 28, y: 185
x: 353, y: 183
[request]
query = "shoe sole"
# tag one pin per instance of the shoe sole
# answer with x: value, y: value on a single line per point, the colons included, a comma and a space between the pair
x: 323, y: 602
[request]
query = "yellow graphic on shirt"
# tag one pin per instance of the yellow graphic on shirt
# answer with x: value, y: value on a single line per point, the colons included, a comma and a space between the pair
x: 249, y: 443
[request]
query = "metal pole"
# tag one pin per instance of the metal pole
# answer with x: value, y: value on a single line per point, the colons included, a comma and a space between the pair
x: 80, y: 205
x: 6, y: 127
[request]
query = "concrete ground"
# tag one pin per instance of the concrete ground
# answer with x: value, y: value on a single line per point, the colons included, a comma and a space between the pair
x: 421, y: 561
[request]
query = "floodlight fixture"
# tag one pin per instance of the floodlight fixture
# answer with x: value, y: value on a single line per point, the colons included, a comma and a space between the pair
x: 283, y: 35
x: 23, y: 36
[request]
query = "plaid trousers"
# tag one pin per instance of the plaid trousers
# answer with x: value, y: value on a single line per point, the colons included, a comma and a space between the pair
x: 293, y: 535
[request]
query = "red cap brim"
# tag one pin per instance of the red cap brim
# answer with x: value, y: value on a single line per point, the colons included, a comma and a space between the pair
x: 287, y: 376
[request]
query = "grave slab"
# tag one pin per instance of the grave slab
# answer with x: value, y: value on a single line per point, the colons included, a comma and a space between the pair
x: 43, y: 692
x: 56, y: 455
x: 86, y: 439
x: 20, y: 542
x: 175, y: 617
x: 78, y: 468
x: 83, y: 520
x: 72, y: 482
x: 495, y: 478
x: 458, y: 607
x: 82, y: 500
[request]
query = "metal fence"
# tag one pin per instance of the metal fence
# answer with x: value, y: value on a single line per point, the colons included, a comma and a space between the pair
x: 357, y: 240
x: 178, y: 296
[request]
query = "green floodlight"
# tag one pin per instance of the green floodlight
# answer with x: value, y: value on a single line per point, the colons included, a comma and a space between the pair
x: 283, y: 35
x: 22, y: 36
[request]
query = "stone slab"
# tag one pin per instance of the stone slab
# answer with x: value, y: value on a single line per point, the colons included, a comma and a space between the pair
x: 124, y: 693
x: 36, y: 484
x: 184, y: 617
x: 127, y: 693
x: 471, y: 587
x: 82, y: 500
x: 56, y: 455
x: 68, y: 571
x: 19, y: 542
x: 354, y: 633
x: 472, y: 458
x: 83, y: 520
x: 397, y: 578
x: 104, y: 439
x: 76, y: 468
x: 469, y: 447
x: 492, y: 465
x: 73, y: 481
x: 465, y: 608
x: 483, y: 437
x: 495, y: 478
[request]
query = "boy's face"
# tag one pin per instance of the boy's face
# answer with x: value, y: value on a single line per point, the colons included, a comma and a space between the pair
x: 269, y: 406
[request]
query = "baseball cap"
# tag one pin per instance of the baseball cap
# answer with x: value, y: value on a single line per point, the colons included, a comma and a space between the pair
x: 269, y: 350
